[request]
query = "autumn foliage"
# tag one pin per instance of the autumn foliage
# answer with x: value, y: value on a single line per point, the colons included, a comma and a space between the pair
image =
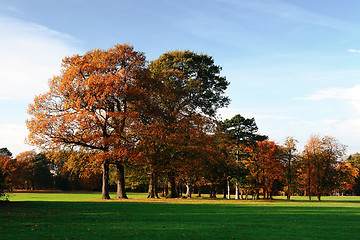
x: 111, y: 114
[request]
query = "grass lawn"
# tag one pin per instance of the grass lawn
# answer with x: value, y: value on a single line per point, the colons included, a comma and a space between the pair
x: 85, y: 216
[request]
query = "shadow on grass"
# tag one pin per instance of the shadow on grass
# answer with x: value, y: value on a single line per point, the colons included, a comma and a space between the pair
x: 156, y: 220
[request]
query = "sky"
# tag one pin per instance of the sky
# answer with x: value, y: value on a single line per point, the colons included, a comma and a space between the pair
x: 292, y: 65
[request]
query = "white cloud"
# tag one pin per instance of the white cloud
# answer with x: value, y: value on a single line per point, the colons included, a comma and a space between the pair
x: 345, y: 128
x: 30, y: 55
x: 353, y: 50
x: 351, y: 95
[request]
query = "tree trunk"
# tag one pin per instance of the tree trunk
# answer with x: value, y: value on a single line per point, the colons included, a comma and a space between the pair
x: 319, y: 197
x: 288, y: 196
x: 172, y: 186
x: 105, y: 181
x: 228, y: 189
x: 120, y: 182
x: 199, y: 191
x: 212, y: 192
x: 224, y: 187
x: 153, y: 186
x: 256, y: 195
x: 166, y: 188
x: 242, y: 194
x: 188, y: 190
x: 237, y: 190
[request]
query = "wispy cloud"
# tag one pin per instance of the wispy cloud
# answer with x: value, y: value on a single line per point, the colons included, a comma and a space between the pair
x: 292, y: 12
x: 30, y: 55
x: 10, y: 9
x: 336, y: 93
x: 350, y: 95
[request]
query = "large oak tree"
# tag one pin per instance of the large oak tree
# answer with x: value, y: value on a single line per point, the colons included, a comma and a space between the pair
x: 94, y: 104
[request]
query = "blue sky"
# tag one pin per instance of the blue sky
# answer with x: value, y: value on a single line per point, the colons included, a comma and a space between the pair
x: 293, y: 65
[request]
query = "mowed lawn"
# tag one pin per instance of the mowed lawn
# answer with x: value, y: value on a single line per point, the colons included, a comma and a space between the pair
x: 85, y: 216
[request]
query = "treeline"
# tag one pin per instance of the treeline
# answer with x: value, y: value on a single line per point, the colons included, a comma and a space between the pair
x: 111, y: 111
x: 36, y: 171
x: 261, y: 168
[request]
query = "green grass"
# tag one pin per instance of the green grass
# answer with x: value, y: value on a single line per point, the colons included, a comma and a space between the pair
x: 85, y: 216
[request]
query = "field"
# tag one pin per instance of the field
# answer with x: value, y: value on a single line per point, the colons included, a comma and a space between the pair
x: 85, y: 216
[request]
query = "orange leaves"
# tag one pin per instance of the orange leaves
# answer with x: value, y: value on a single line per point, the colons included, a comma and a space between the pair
x: 93, y: 103
x: 264, y: 165
x: 320, y: 158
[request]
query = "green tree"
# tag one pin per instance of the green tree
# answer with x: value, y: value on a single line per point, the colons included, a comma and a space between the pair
x: 5, y: 152
x: 354, y: 160
x: 243, y: 132
x: 192, y: 82
x: 191, y: 85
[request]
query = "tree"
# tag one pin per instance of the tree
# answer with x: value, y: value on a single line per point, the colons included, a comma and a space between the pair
x: 3, y: 186
x: 319, y: 161
x: 290, y: 160
x: 11, y: 172
x: 354, y: 160
x: 265, y: 168
x: 35, y: 170
x: 346, y: 177
x: 95, y: 103
x: 5, y: 152
x: 191, y: 85
x: 243, y: 132
x: 7, y: 168
x: 192, y: 82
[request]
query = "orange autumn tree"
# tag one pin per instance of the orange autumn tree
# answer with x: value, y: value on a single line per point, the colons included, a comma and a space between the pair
x: 265, y: 168
x: 94, y: 104
x: 319, y: 162
x: 8, y: 169
x: 346, y: 177
x: 178, y: 147
x: 291, y: 161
